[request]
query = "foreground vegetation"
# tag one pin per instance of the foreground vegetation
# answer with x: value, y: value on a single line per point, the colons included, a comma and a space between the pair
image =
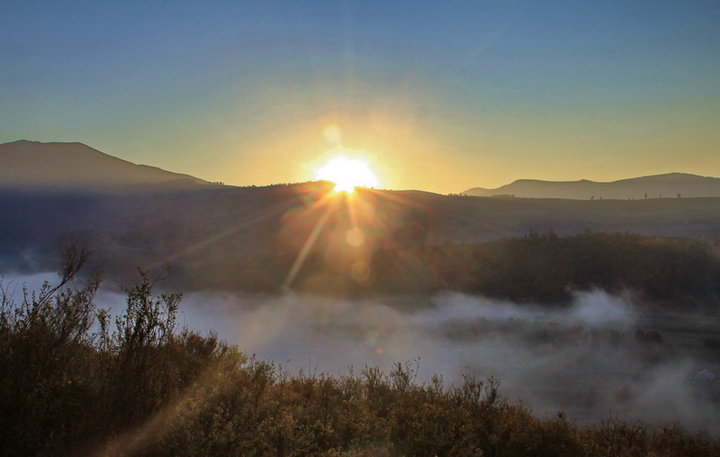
x: 74, y: 383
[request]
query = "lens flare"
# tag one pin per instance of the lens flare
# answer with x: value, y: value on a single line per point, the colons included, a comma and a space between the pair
x: 332, y: 134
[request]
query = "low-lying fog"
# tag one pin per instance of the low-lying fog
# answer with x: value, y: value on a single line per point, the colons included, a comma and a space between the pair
x: 595, y: 360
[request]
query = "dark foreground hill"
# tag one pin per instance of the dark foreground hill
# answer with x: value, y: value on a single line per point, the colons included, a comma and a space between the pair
x: 36, y: 164
x: 371, y: 242
x: 670, y: 185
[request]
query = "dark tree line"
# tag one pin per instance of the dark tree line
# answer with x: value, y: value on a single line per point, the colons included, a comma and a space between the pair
x: 538, y: 268
x: 547, y: 269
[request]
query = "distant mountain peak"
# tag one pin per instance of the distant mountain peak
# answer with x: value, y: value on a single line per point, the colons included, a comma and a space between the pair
x: 673, y: 184
x: 74, y: 164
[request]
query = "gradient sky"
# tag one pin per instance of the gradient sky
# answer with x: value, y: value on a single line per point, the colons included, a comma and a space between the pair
x: 441, y: 95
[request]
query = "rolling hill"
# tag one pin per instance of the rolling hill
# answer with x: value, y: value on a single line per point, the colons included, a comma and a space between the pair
x: 248, y: 237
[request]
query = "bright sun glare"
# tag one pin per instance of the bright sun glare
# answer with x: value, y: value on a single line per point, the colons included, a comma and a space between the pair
x: 347, y: 174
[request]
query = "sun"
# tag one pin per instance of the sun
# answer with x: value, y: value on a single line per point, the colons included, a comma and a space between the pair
x: 347, y: 174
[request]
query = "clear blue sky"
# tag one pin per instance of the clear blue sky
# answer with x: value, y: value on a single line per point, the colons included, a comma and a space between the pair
x: 441, y: 95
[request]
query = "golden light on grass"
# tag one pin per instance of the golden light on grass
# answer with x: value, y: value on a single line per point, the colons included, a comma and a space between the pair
x: 347, y: 174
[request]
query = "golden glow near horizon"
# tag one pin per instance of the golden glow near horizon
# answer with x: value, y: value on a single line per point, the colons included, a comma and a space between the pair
x: 347, y: 174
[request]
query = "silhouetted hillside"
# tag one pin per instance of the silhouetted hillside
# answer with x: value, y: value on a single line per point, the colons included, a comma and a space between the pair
x: 234, y: 220
x: 670, y: 185
x: 32, y: 163
x: 374, y: 242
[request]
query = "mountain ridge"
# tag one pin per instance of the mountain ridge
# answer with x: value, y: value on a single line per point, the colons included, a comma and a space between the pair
x: 674, y: 184
x: 75, y: 164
